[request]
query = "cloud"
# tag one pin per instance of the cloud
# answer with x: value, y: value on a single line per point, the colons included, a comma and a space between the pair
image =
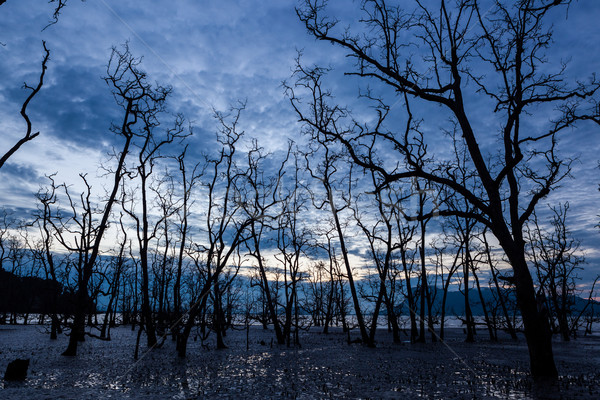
x: 215, y: 53
x: 18, y: 185
x: 15, y: 172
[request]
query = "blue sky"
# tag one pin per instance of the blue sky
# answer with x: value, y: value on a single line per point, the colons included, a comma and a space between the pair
x: 214, y: 53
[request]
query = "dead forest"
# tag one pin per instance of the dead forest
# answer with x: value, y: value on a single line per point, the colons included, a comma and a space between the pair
x: 372, y: 221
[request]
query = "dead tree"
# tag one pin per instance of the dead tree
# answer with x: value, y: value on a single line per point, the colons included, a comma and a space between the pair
x: 13, y: 261
x: 383, y: 244
x: 508, y: 44
x: 58, y: 8
x: 451, y: 270
x: 425, y: 296
x: 500, y: 293
x: 76, y: 228
x: 225, y: 227
x: 117, y: 266
x: 149, y: 142
x: 45, y: 214
x: 556, y: 258
x: 189, y: 179
x: 322, y: 169
x: 29, y: 134
x: 315, y: 293
x: 332, y: 274
x: 477, y: 260
x: 261, y: 194
x: 137, y: 98
x: 406, y: 233
x: 292, y: 240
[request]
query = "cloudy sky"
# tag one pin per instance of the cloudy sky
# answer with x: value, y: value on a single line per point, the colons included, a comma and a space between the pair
x: 213, y: 53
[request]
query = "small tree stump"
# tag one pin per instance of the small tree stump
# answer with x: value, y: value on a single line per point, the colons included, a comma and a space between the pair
x: 16, y: 370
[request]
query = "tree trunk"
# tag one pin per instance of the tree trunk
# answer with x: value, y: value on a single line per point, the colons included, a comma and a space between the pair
x: 509, y: 326
x: 424, y: 282
x: 78, y: 326
x: 263, y: 275
x: 376, y: 311
x: 484, y: 307
x: 410, y: 299
x: 468, y: 314
x: 392, y: 319
x: 218, y: 316
x: 535, y: 321
x: 359, y: 317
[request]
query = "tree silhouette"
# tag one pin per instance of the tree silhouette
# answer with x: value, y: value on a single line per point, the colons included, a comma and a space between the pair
x: 29, y: 134
x: 463, y: 56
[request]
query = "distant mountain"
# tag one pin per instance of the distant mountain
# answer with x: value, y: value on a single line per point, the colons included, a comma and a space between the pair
x: 455, y: 302
x: 30, y: 294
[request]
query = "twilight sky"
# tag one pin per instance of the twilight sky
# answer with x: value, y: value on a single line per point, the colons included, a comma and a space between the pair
x: 213, y: 53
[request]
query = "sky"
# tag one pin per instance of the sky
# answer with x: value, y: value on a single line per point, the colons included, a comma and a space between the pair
x: 214, y: 53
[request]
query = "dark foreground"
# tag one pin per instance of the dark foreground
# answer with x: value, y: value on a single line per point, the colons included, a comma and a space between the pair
x: 324, y: 367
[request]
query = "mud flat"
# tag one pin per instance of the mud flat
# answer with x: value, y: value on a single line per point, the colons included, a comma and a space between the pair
x: 325, y: 366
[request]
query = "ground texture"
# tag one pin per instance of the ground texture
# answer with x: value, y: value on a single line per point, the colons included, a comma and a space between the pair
x: 324, y: 366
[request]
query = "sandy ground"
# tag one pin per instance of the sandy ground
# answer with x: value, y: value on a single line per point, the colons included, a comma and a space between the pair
x: 325, y: 366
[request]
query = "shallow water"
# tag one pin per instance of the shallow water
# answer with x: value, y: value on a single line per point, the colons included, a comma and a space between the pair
x: 324, y: 367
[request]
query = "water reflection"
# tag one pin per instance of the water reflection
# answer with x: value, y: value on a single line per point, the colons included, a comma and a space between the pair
x: 325, y: 367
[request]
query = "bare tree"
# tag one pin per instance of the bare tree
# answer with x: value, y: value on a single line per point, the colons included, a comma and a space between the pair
x: 224, y: 226
x: 323, y: 169
x: 13, y: 260
x: 117, y: 266
x: 150, y: 144
x: 137, y: 98
x: 425, y: 296
x: 454, y: 46
x: 76, y: 228
x: 332, y: 279
x: 163, y: 257
x: 59, y: 5
x: 449, y: 278
x: 556, y: 257
x: 189, y: 179
x: 500, y: 292
x: 262, y: 198
x: 406, y: 232
x: 316, y: 292
x: 383, y: 244
x: 293, y: 240
x: 29, y: 134
x: 44, y: 217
